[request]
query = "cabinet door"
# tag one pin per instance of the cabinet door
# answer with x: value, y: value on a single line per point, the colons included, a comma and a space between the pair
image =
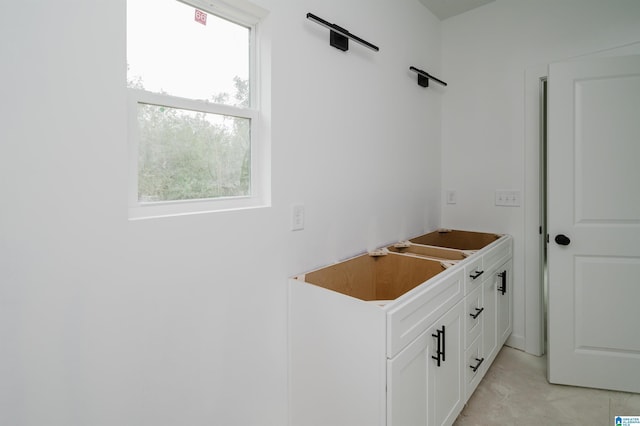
x: 505, y: 297
x: 490, y: 318
x: 419, y: 391
x: 408, y: 383
x: 446, y: 383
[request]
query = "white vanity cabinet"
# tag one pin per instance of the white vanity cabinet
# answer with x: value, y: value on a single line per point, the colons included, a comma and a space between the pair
x: 425, y: 380
x: 390, y: 340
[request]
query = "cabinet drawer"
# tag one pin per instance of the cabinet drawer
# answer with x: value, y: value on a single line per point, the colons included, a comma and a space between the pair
x: 410, y: 319
x: 473, y: 274
x: 474, y: 365
x: 473, y: 316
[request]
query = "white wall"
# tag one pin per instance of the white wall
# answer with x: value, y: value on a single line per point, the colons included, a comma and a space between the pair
x: 487, y: 53
x: 182, y: 321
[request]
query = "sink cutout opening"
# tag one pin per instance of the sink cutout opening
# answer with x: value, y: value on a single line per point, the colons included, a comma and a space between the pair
x: 454, y: 239
x: 375, y: 278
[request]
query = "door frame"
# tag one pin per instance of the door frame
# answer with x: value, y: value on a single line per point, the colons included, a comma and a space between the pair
x: 535, y: 315
x: 534, y: 242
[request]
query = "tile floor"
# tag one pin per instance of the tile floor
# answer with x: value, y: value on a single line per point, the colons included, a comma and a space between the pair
x: 515, y: 391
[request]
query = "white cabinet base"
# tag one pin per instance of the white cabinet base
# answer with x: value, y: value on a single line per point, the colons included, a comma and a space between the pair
x: 355, y: 361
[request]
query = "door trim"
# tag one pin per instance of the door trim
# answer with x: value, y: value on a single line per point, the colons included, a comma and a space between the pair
x: 534, y: 317
x: 533, y: 288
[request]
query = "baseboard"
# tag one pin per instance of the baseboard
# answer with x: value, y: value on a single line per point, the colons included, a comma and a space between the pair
x: 516, y: 342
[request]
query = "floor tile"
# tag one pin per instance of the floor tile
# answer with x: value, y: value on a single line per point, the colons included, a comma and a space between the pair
x: 515, y: 391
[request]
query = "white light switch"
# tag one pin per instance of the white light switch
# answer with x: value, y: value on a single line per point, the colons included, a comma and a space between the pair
x: 452, y: 197
x: 508, y: 198
x: 297, y: 217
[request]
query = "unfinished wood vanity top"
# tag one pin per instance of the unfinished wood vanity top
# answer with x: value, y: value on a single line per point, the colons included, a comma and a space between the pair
x: 401, y: 267
x: 375, y: 277
x: 460, y: 240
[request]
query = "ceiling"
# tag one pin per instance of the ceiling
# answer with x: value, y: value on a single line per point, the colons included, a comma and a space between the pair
x: 444, y: 9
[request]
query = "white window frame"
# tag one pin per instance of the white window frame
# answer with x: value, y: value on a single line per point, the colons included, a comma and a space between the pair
x: 248, y: 15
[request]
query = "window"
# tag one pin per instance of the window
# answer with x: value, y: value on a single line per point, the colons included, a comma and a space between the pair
x: 196, y: 139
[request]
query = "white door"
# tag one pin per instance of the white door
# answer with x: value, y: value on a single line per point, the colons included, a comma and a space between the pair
x: 594, y: 223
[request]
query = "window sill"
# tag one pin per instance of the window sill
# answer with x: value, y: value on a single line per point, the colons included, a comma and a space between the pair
x: 185, y: 208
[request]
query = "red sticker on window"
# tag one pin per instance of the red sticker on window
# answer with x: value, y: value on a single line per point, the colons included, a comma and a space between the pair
x: 201, y: 17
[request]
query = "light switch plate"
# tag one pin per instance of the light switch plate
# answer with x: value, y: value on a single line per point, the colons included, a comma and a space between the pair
x: 508, y: 198
x: 297, y: 217
x: 452, y: 197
